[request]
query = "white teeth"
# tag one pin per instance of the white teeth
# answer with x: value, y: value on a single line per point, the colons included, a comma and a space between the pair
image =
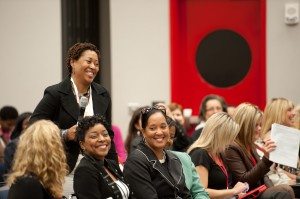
x: 102, y: 146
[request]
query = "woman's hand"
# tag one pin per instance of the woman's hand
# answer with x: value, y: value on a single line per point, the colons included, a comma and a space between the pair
x: 268, y: 147
x: 71, y: 133
x: 240, y: 187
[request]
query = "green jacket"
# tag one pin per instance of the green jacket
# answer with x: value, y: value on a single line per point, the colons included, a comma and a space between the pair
x: 191, y: 177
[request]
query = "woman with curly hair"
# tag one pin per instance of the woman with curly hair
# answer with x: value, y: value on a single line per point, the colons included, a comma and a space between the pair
x: 97, y: 177
x: 78, y: 95
x: 40, y: 165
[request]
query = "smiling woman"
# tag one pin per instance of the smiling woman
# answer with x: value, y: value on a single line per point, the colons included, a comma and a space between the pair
x: 97, y: 177
x: 61, y: 102
x: 151, y: 171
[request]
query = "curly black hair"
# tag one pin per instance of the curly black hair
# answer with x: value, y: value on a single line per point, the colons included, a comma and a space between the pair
x: 88, y: 122
x: 75, y: 52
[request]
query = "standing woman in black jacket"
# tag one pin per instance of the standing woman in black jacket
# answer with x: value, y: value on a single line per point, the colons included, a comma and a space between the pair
x: 61, y: 102
x: 97, y: 177
x: 151, y: 171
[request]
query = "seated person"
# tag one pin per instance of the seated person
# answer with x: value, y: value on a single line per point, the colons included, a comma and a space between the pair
x: 210, y: 105
x: 8, y: 117
x: 151, y: 171
x: 279, y: 111
x: 207, y: 154
x: 134, y: 136
x: 97, y: 177
x: 243, y: 160
x: 40, y: 164
x: 182, y: 141
x: 191, y: 177
x: 10, y: 149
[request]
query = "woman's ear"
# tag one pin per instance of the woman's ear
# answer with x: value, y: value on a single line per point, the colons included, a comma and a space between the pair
x: 72, y: 62
x: 137, y: 126
x: 81, y: 143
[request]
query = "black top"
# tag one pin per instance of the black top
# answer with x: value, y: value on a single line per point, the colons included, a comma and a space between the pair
x: 91, y: 181
x: 28, y: 187
x: 216, y: 178
x: 182, y: 141
x: 60, y: 106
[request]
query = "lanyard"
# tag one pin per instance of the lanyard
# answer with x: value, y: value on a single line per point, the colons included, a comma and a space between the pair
x: 253, y: 160
x: 223, y: 169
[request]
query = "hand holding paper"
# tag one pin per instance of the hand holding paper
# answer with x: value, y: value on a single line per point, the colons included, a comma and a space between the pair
x: 287, y: 140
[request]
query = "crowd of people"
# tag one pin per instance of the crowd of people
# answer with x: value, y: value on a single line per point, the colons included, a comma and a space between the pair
x: 67, y: 146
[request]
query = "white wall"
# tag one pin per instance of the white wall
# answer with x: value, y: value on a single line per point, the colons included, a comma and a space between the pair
x: 140, y: 50
x: 30, y: 50
x: 283, y: 53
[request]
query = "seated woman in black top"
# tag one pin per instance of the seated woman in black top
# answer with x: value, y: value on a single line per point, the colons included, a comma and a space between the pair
x: 97, y: 177
x: 151, y: 171
x: 206, y: 153
x: 39, y: 165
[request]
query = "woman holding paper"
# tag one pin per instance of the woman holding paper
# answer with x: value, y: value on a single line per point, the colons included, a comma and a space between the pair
x: 280, y: 111
x: 243, y: 160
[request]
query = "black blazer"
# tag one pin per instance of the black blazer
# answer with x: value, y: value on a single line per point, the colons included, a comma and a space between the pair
x: 149, y: 179
x: 89, y: 181
x: 60, y: 106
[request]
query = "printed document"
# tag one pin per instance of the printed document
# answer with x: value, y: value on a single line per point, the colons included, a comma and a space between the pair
x: 287, y: 142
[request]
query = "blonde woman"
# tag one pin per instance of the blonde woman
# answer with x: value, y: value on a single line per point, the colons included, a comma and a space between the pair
x: 297, y: 117
x: 39, y: 165
x: 280, y: 111
x: 219, y: 132
x: 242, y: 158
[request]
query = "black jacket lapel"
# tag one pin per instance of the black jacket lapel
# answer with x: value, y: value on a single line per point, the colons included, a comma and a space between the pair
x: 68, y: 99
x: 100, y: 103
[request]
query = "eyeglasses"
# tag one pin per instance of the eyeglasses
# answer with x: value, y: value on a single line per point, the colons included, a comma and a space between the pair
x: 214, y: 108
x: 146, y: 110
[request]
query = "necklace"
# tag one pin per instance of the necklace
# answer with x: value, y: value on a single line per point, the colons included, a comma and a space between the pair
x: 163, y: 160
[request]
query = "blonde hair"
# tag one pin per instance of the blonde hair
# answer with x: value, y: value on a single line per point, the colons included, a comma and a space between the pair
x: 219, y: 131
x: 297, y: 117
x: 246, y: 115
x: 40, y: 151
x: 275, y: 112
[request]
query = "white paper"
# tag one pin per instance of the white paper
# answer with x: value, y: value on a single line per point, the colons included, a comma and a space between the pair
x: 287, y: 141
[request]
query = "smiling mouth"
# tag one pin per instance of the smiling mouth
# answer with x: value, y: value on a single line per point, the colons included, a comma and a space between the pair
x: 90, y: 73
x: 159, y: 139
x: 104, y: 146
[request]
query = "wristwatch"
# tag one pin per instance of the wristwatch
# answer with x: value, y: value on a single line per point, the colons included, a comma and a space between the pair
x: 64, y: 133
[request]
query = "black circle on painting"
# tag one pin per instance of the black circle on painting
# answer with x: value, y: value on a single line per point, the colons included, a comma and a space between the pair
x: 223, y: 58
